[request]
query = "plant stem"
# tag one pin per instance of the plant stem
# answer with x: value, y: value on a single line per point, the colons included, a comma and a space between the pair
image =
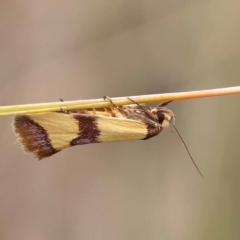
x: 100, y: 103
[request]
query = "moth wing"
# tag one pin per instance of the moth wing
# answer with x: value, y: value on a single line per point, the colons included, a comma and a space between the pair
x: 120, y: 129
x: 44, y: 134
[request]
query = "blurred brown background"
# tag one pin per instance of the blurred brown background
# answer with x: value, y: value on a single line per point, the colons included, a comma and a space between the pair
x: 129, y: 190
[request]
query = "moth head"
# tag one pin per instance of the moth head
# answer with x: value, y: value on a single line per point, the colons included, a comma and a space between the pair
x: 164, y: 115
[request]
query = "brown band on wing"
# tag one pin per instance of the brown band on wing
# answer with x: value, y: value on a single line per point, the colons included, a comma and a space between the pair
x: 152, y: 131
x: 33, y: 137
x: 88, y: 130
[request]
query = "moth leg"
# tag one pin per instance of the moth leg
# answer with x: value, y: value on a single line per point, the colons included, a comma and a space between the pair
x: 118, y: 108
x: 62, y: 110
x: 83, y: 111
x: 148, y: 113
x: 110, y: 100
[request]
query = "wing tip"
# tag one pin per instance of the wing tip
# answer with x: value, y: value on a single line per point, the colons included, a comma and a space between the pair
x: 32, y: 137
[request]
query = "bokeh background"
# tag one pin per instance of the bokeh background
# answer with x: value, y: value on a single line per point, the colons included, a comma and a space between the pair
x: 129, y: 190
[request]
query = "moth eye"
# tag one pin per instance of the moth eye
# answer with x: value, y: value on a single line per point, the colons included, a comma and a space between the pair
x: 161, y: 117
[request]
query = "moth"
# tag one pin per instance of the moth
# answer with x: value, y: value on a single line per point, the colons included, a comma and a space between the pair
x: 45, y: 134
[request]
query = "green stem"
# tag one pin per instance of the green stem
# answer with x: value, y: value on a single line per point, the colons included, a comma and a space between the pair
x: 100, y: 103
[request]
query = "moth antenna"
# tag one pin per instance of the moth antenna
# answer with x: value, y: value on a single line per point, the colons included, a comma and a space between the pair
x: 162, y: 104
x: 187, y: 149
